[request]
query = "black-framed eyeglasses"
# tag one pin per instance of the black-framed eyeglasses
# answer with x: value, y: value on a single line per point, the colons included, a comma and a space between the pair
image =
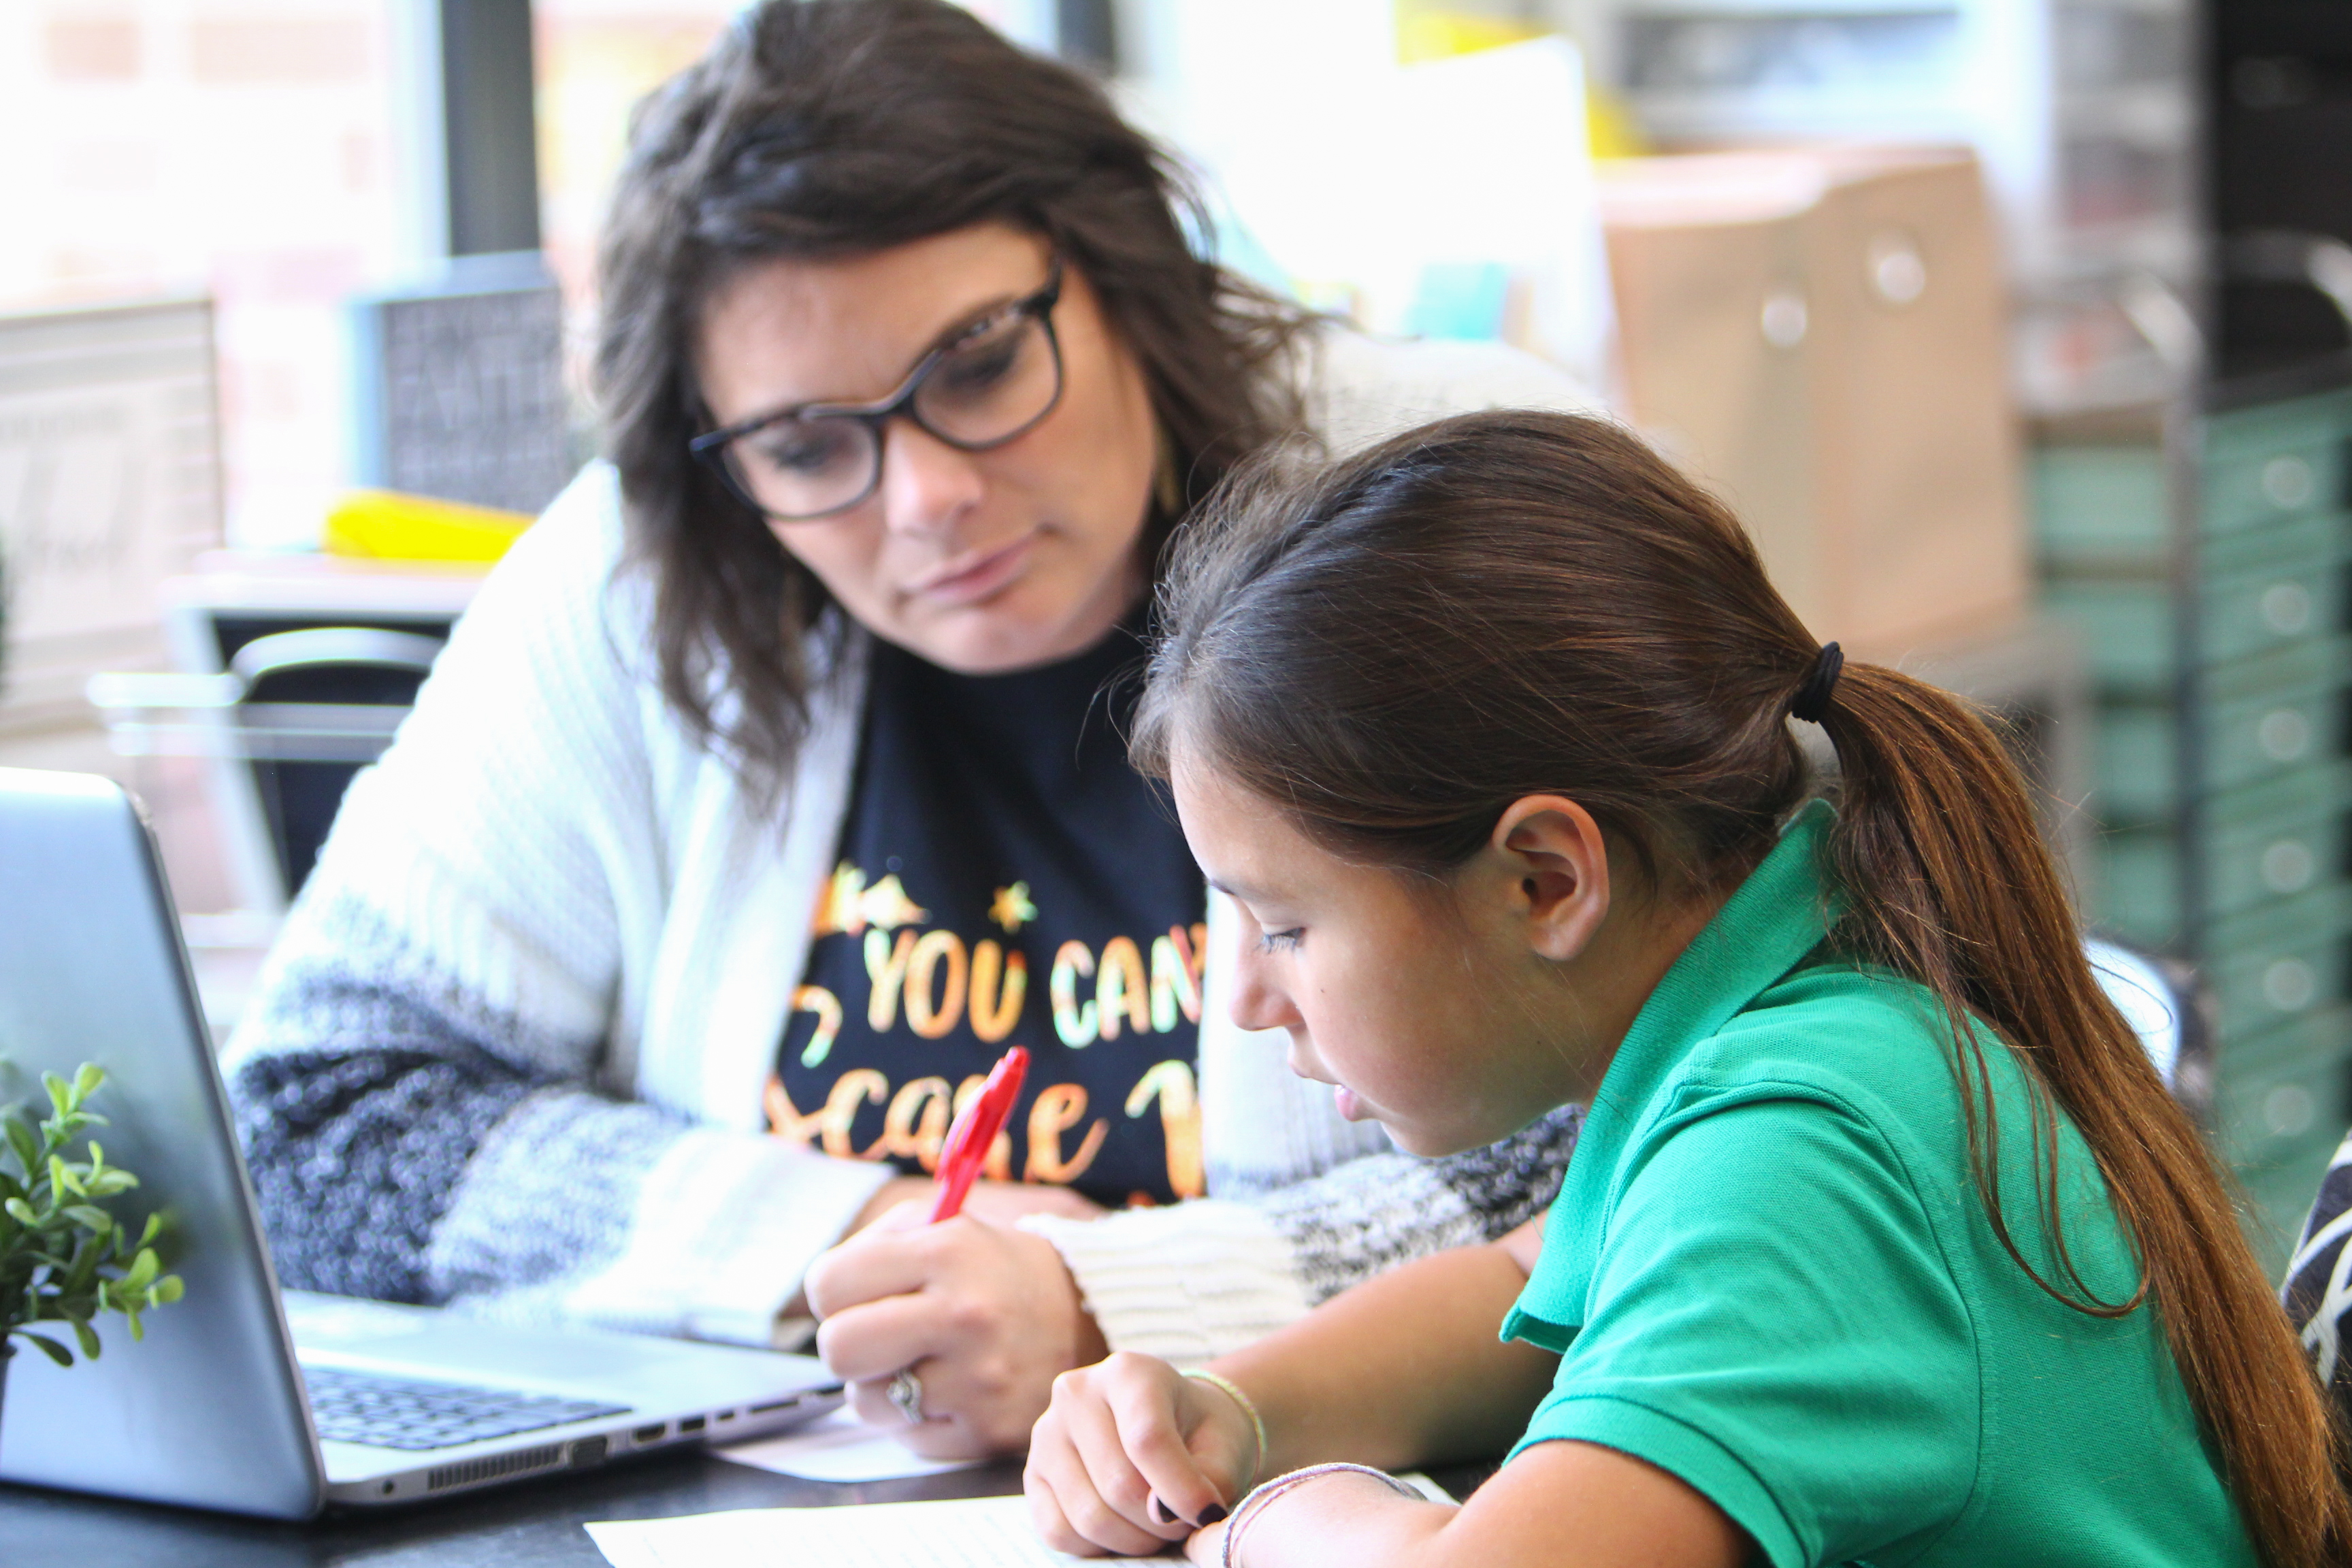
x: 991, y: 382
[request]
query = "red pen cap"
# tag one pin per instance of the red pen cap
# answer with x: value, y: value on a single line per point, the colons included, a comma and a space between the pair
x: 967, y: 1142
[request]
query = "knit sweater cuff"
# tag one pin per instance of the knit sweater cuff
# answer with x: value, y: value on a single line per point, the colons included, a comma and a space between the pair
x: 725, y: 1226
x: 715, y: 1228
x: 1187, y: 1283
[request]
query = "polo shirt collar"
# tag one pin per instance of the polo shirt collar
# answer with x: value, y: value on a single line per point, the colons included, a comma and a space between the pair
x: 1781, y: 913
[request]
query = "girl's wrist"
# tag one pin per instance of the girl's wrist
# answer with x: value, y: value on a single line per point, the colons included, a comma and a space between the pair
x: 1267, y: 1493
x: 1257, y: 1424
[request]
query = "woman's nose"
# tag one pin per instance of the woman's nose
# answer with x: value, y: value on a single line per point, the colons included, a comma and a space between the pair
x: 927, y: 485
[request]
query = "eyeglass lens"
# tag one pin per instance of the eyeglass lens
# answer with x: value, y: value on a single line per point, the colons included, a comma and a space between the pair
x: 982, y: 389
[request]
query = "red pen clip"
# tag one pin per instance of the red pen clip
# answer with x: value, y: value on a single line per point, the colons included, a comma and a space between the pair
x: 966, y: 1150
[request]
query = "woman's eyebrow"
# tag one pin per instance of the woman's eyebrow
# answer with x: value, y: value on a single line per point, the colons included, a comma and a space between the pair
x: 940, y: 340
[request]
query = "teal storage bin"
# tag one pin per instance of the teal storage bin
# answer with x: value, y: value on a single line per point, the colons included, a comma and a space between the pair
x: 2138, y: 891
x: 2278, y: 838
x: 2125, y: 628
x: 2285, y: 587
x: 2277, y: 964
x: 2273, y: 713
x: 2100, y: 509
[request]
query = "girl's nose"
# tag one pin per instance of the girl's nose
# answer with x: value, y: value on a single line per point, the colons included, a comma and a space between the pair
x: 927, y: 485
x: 1258, y: 1002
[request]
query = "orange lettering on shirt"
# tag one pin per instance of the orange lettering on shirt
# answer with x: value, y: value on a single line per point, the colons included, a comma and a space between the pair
x: 1055, y: 1111
x: 928, y: 1021
x: 1120, y: 993
x: 816, y: 999
x: 840, y: 903
x: 1171, y: 1082
x: 994, y: 1012
x: 855, y: 1086
x: 886, y: 972
x: 1073, y: 1020
x: 1175, y: 988
x: 916, y: 1125
x: 784, y: 1120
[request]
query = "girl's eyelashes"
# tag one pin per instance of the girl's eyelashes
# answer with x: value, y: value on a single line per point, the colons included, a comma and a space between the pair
x: 1279, y: 940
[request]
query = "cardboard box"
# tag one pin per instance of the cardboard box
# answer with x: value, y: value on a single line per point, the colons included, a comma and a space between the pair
x: 1820, y: 335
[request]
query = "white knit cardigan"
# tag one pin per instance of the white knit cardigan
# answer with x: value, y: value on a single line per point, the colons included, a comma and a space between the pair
x: 545, y: 851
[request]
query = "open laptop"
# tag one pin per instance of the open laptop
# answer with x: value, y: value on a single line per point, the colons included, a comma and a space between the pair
x: 241, y: 1398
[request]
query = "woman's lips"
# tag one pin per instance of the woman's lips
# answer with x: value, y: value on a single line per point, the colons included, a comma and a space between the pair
x: 969, y: 579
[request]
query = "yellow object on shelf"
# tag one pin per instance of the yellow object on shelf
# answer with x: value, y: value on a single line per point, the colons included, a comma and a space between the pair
x: 1438, y: 33
x: 1612, y: 126
x: 384, y: 525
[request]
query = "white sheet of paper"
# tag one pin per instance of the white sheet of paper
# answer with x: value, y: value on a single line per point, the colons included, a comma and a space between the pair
x: 973, y: 1532
x: 840, y: 1447
x: 978, y: 1532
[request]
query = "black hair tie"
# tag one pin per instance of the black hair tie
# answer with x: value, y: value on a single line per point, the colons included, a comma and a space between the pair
x: 1812, y: 698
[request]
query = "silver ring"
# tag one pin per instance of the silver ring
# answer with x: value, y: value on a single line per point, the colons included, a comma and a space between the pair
x: 907, y: 1394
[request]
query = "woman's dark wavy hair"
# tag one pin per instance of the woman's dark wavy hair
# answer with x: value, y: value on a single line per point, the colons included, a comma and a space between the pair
x: 819, y: 128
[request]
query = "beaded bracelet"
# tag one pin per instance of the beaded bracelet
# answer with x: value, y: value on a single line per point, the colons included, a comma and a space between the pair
x: 1249, y: 1408
x: 1263, y: 1496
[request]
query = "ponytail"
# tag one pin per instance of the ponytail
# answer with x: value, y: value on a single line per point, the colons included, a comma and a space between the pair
x: 1948, y: 881
x: 1559, y: 610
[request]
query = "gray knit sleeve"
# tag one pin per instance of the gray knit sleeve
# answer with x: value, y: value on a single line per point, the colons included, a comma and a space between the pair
x: 354, y: 1156
x: 363, y: 1089
x: 411, y: 1140
x: 1369, y: 1215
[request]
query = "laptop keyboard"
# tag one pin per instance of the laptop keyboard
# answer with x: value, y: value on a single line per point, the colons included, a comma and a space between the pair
x: 403, y: 1413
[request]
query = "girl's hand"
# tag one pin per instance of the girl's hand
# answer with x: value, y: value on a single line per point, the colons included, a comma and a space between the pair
x: 1131, y: 1455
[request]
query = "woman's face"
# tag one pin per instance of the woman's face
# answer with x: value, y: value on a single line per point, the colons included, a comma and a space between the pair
x: 980, y: 561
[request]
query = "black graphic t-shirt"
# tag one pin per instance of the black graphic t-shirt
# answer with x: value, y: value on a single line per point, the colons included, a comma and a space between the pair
x: 1004, y: 878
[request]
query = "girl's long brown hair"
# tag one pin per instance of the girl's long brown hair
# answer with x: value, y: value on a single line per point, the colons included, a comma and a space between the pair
x: 822, y: 129
x: 1509, y: 603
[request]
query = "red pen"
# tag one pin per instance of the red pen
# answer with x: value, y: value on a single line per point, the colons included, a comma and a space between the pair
x: 966, y: 1150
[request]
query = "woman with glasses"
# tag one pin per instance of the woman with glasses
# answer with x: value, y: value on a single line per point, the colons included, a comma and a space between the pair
x: 775, y: 783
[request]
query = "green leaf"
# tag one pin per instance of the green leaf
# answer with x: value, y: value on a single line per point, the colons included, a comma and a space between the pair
x: 168, y: 1290
x: 62, y: 1098
x: 65, y: 1178
x: 106, y: 1183
x: 27, y: 1146
x: 130, y: 1316
x: 143, y: 1269
x: 88, y: 1337
x: 90, y: 1218
x: 49, y: 1347
x: 87, y: 1079
x: 151, y: 1230
x: 22, y: 1212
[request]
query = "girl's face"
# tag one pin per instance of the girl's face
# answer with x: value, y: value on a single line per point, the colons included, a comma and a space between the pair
x: 980, y: 561
x: 1453, y: 1016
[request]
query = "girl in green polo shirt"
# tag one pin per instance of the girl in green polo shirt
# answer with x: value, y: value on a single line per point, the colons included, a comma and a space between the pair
x: 1883, y: 1243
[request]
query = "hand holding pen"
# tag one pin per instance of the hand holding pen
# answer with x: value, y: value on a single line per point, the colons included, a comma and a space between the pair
x: 960, y: 1158
x: 983, y: 1313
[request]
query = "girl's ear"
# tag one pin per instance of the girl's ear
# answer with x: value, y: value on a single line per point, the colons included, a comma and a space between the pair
x: 1554, y: 852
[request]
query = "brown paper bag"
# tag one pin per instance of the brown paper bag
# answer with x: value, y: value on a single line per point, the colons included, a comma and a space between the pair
x: 1820, y: 335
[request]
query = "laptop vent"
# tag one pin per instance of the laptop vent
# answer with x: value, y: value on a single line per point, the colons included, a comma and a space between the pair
x: 491, y: 1468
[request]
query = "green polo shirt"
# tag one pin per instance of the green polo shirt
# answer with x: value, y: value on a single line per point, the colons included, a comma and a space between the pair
x: 1770, y: 1273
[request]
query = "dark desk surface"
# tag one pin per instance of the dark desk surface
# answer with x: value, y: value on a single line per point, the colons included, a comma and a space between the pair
x: 534, y: 1524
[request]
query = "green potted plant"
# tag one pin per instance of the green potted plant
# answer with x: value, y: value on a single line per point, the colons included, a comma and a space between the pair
x: 65, y: 1258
